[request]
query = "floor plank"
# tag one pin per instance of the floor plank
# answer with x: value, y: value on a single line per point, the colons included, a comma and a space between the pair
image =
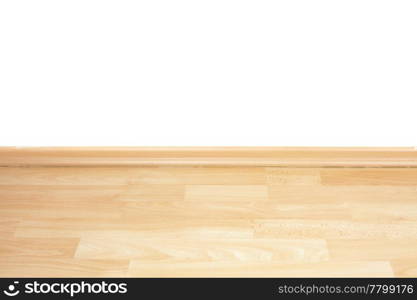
x: 292, y: 176
x: 38, y: 247
x: 373, y: 249
x: 333, y: 229
x: 369, y: 176
x: 329, y: 269
x: 61, y: 267
x: 203, y: 250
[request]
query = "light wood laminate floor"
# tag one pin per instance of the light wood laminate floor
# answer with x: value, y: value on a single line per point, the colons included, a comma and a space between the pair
x: 208, y: 221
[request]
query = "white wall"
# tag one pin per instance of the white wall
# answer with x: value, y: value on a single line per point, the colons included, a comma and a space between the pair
x: 208, y: 72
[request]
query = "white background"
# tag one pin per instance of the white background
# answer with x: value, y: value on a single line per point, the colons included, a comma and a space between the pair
x: 148, y: 73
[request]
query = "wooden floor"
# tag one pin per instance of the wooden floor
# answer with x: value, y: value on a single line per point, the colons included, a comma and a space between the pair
x: 208, y: 221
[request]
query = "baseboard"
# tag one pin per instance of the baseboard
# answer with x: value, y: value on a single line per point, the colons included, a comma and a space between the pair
x: 208, y: 156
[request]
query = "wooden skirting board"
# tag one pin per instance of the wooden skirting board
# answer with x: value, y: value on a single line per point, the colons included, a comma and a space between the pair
x: 208, y: 156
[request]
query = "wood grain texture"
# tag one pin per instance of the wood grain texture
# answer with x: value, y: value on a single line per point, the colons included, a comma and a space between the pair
x: 397, y: 176
x: 324, y: 269
x: 208, y: 222
x: 203, y: 250
x: 208, y: 156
